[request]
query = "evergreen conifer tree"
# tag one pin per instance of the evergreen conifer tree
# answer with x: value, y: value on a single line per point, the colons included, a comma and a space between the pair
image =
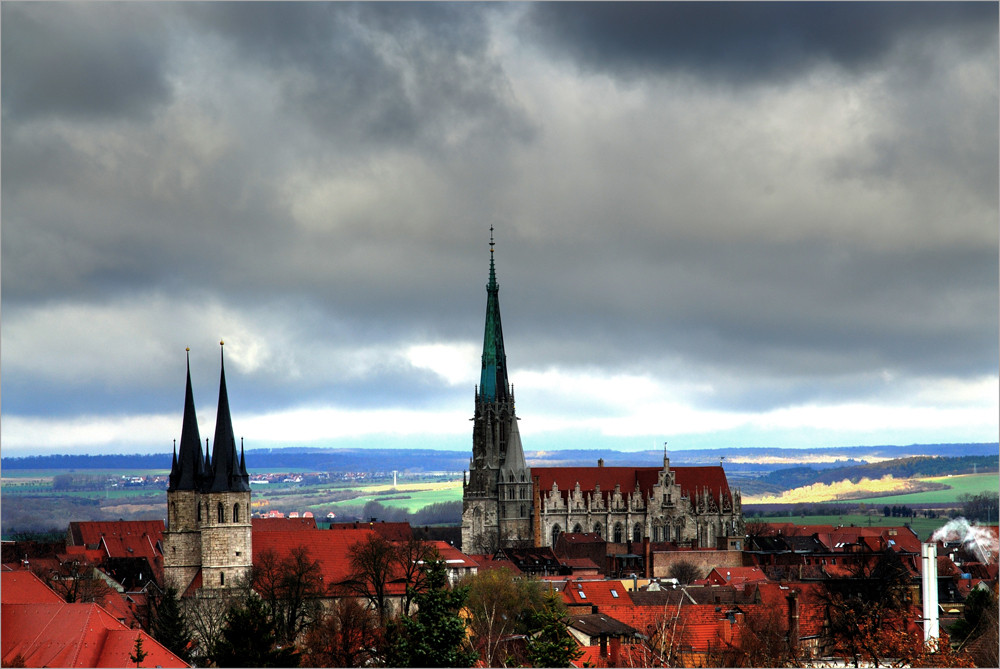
x: 168, y: 624
x: 248, y: 639
x: 435, y: 636
x: 551, y: 644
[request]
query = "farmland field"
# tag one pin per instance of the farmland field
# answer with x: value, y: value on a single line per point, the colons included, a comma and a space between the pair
x: 409, y: 496
x: 971, y: 484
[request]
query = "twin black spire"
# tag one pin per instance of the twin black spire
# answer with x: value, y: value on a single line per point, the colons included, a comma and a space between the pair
x: 225, y: 471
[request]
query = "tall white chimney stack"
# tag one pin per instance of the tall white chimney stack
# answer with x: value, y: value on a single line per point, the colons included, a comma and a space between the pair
x: 928, y: 573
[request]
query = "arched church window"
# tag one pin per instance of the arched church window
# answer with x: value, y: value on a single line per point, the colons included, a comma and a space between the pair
x: 577, y: 529
x: 173, y: 514
x: 619, y: 532
x: 637, y: 532
x: 523, y: 514
x: 199, y: 510
x: 236, y: 513
x: 656, y: 533
x: 556, y: 531
x: 597, y: 530
x: 222, y: 513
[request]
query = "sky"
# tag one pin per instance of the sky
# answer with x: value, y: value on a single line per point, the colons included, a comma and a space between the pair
x: 717, y: 225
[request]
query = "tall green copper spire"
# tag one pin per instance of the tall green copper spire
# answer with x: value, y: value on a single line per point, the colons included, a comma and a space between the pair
x: 493, y: 385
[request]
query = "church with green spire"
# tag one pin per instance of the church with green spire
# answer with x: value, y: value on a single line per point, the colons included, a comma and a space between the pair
x: 496, y: 497
x: 506, y: 504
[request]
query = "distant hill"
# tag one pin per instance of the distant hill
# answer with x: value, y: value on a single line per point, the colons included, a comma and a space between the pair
x: 795, y: 464
x: 902, y: 468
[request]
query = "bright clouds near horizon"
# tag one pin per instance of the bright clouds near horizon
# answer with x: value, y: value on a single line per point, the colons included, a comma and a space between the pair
x: 639, y: 411
x: 760, y: 224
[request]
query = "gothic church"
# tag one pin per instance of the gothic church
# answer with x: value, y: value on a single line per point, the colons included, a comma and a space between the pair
x: 506, y: 502
x: 207, y: 543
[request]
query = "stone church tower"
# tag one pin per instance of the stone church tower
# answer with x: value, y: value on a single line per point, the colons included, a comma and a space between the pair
x: 497, y: 497
x: 208, y: 536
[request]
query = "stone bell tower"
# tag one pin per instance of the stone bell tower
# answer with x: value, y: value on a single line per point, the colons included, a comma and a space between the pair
x: 496, y: 498
x: 208, y: 504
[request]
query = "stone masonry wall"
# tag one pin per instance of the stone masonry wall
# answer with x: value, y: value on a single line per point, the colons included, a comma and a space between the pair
x: 226, y: 546
x: 705, y: 560
x: 182, y: 539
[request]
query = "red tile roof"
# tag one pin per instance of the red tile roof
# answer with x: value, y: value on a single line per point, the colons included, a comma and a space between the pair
x: 600, y: 593
x: 330, y: 549
x: 453, y: 557
x: 282, y: 524
x: 120, y: 535
x: 73, y: 635
x: 735, y: 575
x: 388, y: 531
x: 692, y: 480
x: 122, y: 539
x: 486, y: 562
x: 23, y: 587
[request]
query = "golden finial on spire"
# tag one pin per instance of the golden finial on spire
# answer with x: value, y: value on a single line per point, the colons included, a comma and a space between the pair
x: 222, y: 343
x: 491, y: 239
x: 187, y: 348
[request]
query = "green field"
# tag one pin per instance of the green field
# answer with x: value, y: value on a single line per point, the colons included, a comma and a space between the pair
x: 924, y: 527
x: 411, y: 500
x: 972, y: 484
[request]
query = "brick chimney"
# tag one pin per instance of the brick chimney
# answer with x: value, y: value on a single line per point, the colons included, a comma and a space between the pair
x: 793, y: 621
x: 614, y: 648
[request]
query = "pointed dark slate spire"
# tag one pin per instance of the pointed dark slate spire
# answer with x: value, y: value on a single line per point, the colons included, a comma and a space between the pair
x: 189, y: 462
x: 226, y: 473
x: 174, y: 473
x: 493, y: 380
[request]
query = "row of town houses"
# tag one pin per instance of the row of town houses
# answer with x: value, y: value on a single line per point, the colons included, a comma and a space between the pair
x: 616, y: 593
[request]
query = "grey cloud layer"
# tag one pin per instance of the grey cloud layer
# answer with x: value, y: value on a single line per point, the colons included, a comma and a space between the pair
x: 746, y: 42
x: 786, y: 201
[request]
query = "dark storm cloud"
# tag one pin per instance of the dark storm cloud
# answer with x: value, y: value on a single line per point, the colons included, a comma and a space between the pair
x: 803, y: 321
x: 67, y: 60
x: 377, y: 75
x: 316, y: 183
x: 744, y: 42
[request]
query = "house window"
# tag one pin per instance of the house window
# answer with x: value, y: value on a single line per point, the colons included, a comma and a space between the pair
x: 222, y: 513
x: 222, y: 578
x: 614, y: 593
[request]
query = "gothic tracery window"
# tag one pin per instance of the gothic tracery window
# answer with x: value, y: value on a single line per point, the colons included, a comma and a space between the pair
x: 222, y: 513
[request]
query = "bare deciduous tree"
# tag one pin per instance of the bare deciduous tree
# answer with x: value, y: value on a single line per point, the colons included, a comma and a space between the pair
x: 349, y: 635
x: 373, y: 565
